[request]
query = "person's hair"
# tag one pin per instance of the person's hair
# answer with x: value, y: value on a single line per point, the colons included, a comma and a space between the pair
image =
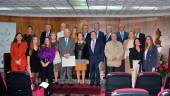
x: 78, y: 34
x: 135, y: 44
x: 49, y: 42
x: 93, y: 32
x: 32, y: 46
x: 133, y: 35
x: 152, y: 43
x: 15, y: 39
x: 51, y: 34
x: 29, y: 26
x: 113, y: 33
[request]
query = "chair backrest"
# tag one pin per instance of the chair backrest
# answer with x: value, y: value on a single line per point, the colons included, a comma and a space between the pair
x: 117, y: 80
x: 7, y: 62
x: 167, y: 82
x: 18, y: 84
x: 3, y: 88
x: 130, y: 92
x: 150, y: 81
x: 165, y: 92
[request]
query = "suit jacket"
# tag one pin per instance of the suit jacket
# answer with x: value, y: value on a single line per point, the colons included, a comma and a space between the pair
x: 101, y: 36
x: 119, y: 38
x: 114, y: 50
x: 107, y: 40
x: 69, y: 49
x: 151, y: 59
x: 87, y: 38
x: 18, y: 53
x: 142, y: 39
x: 42, y: 37
x: 98, y: 54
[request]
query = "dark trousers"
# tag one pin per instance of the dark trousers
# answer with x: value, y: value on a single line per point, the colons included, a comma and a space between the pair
x: 113, y: 69
x: 47, y: 73
x: 94, y: 73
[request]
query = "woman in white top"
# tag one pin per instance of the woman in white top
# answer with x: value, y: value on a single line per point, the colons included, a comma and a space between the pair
x: 128, y: 44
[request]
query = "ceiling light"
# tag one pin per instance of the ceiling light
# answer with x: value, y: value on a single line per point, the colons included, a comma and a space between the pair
x: 48, y: 8
x: 114, y: 7
x: 63, y: 7
x: 5, y: 8
x: 97, y: 7
x: 144, y: 8
x: 81, y: 7
x: 23, y: 8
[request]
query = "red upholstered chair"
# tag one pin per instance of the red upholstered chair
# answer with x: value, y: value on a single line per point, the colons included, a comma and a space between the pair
x: 117, y: 80
x: 150, y: 81
x: 165, y: 92
x: 130, y: 92
x: 167, y: 82
x: 3, y: 87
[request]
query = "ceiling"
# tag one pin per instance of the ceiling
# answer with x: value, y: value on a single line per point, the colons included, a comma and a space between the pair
x: 85, y: 8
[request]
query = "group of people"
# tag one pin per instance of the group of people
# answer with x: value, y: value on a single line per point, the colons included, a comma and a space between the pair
x: 132, y: 52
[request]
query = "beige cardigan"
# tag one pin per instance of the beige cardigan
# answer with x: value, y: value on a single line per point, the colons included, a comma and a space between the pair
x: 114, y: 50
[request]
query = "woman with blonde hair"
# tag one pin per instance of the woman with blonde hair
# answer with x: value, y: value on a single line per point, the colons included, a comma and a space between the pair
x: 127, y: 44
x: 74, y: 34
x: 33, y: 59
x: 150, y: 55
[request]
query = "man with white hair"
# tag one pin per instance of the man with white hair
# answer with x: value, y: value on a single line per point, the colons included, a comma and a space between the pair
x: 61, y: 33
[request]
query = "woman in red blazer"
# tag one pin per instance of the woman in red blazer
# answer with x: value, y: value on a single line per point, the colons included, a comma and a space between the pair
x: 18, y: 57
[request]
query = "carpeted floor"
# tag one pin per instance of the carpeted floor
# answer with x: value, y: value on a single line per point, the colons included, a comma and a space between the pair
x: 76, y: 90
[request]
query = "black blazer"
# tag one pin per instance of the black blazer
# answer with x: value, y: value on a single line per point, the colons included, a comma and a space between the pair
x: 81, y: 51
x: 42, y: 37
x: 98, y: 54
x: 135, y: 55
x: 106, y: 40
x: 87, y: 38
x: 101, y: 36
x: 142, y: 39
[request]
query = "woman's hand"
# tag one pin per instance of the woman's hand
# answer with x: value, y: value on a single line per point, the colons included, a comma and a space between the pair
x: 153, y: 69
x: 18, y: 62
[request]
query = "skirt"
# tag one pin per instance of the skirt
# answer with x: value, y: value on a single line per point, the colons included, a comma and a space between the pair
x: 81, y: 67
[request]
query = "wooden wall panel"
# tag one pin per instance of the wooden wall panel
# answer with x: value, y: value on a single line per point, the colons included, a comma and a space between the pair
x: 148, y: 25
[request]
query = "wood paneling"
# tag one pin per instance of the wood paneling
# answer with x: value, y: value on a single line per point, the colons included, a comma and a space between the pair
x: 148, y: 25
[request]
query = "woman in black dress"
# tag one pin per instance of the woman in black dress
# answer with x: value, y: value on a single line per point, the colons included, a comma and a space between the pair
x: 33, y: 59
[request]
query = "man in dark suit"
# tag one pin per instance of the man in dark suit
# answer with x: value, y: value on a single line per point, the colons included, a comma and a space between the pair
x: 45, y: 34
x: 86, y: 33
x: 108, y: 33
x: 96, y: 56
x: 140, y: 35
x: 122, y: 35
x: 100, y: 34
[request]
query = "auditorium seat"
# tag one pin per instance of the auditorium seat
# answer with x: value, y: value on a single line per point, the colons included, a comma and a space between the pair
x: 3, y: 88
x: 18, y: 84
x: 130, y: 92
x: 165, y: 92
x: 117, y: 80
x: 167, y: 82
x: 150, y: 81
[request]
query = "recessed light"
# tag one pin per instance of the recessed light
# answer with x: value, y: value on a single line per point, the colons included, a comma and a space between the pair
x: 5, y: 8
x: 48, y: 8
x: 97, y: 7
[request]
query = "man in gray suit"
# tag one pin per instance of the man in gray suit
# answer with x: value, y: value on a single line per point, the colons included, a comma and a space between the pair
x: 66, y: 47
